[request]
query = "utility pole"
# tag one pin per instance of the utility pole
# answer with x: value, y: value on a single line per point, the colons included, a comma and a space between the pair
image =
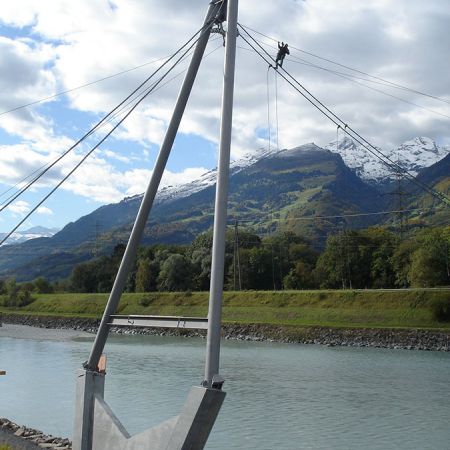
x: 400, y: 206
x: 273, y: 267
x: 400, y: 194
x: 220, y: 213
x: 236, y: 259
x: 280, y: 264
x: 347, y: 245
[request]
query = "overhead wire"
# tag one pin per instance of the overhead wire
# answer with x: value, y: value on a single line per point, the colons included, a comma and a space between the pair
x: 337, y: 120
x: 107, y: 135
x: 336, y: 216
x: 67, y: 91
x: 108, y: 121
x: 113, y: 114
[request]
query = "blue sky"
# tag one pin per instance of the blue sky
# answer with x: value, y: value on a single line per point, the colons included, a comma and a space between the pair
x: 48, y: 47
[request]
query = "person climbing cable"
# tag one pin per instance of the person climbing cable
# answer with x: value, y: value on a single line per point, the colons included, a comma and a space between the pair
x: 282, y: 52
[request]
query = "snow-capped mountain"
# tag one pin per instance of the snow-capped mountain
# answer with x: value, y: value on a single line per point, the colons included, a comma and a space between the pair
x: 209, y: 178
x: 412, y: 155
x: 32, y: 233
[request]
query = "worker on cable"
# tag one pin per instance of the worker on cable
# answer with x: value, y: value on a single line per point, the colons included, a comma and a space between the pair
x: 282, y: 52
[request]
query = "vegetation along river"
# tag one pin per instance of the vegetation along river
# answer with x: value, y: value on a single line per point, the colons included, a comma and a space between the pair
x: 280, y: 396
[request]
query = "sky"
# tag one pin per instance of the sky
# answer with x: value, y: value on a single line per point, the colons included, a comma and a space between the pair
x: 48, y: 47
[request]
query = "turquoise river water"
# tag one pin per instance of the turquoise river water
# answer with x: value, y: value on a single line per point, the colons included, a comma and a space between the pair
x: 279, y: 396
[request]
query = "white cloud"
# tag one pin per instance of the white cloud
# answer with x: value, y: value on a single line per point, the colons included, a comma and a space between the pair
x: 100, y: 182
x: 20, y: 207
x: 25, y: 76
x: 74, y: 43
x: 114, y: 155
x: 44, y: 210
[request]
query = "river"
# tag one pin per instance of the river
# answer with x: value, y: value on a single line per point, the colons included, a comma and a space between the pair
x: 279, y: 396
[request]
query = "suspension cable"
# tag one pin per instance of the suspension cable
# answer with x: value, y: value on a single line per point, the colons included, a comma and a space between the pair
x: 384, y: 81
x: 156, y: 89
x: 139, y: 101
x: 276, y: 108
x: 354, y: 79
x: 268, y: 109
x: 111, y: 115
x: 76, y: 88
x: 337, y: 120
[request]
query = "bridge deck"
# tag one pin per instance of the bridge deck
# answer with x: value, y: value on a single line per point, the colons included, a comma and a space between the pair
x: 194, y: 323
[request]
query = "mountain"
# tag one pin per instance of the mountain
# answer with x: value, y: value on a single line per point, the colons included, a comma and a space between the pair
x: 32, y: 233
x: 306, y: 189
x: 413, y: 155
x: 425, y: 208
x: 267, y: 193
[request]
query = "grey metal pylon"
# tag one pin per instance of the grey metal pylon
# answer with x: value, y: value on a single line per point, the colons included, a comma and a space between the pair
x: 149, y: 196
x: 95, y: 425
x: 220, y: 212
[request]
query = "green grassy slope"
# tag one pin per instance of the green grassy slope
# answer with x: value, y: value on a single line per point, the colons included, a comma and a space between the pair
x: 371, y: 309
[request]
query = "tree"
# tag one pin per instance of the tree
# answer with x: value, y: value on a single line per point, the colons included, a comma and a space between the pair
x: 345, y: 262
x: 12, y: 291
x: 146, y: 275
x: 201, y: 269
x: 429, y: 262
x: 257, y: 268
x: 83, y: 278
x: 401, y: 263
x: 175, y: 274
x: 300, y: 277
x: 381, y: 244
x: 332, y: 268
x: 301, y: 274
x: 16, y: 296
x: 42, y: 286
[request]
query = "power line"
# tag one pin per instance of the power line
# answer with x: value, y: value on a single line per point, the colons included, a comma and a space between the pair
x: 84, y: 158
x: 67, y: 91
x: 336, y: 216
x: 106, y: 119
x: 105, y: 137
x: 345, y: 127
x: 109, y: 120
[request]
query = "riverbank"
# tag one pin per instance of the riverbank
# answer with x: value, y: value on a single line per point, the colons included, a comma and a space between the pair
x: 408, y: 339
x: 404, y: 308
x: 19, y: 437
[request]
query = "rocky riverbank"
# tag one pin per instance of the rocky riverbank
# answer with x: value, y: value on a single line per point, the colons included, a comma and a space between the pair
x: 23, y: 438
x: 409, y: 339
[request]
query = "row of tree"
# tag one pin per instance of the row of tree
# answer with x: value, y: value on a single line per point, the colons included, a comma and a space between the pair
x: 370, y: 258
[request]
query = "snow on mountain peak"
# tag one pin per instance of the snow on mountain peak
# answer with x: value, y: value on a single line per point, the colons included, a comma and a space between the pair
x: 291, y: 152
x: 32, y: 233
x: 207, y: 179
x: 412, y: 155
